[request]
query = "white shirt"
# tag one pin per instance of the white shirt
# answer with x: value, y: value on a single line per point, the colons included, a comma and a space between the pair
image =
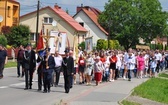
x: 118, y: 64
x: 158, y: 56
x: 131, y: 62
x: 98, y: 66
x: 58, y: 61
x: 153, y: 64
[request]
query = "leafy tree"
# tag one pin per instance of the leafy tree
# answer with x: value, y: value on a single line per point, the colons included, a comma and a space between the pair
x: 82, y: 45
x: 18, y: 35
x: 114, y: 44
x: 130, y: 20
x: 3, y: 40
x: 101, y: 44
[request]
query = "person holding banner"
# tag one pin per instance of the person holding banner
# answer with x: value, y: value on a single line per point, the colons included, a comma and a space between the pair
x: 58, y: 67
x: 49, y: 65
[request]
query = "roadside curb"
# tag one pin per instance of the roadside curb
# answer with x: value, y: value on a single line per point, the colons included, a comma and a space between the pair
x: 120, y: 102
x: 10, y: 68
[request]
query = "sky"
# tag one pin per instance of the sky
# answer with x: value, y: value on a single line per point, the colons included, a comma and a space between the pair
x: 31, y: 5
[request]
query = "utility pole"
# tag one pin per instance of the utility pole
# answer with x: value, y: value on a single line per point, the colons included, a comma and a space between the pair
x: 37, y: 24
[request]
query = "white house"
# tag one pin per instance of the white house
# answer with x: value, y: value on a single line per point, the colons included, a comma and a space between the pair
x: 88, y: 18
x: 62, y: 23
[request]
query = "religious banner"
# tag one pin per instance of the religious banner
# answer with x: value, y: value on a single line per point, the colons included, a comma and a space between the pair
x: 88, y: 44
x: 144, y: 47
x: 57, y: 42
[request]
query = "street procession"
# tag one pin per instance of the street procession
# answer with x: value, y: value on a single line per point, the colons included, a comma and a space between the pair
x: 107, y: 51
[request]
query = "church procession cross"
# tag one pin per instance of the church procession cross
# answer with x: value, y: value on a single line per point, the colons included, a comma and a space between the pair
x: 46, y: 38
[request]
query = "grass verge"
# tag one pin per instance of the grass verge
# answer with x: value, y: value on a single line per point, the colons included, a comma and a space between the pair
x: 126, y: 102
x: 163, y: 75
x: 11, y: 64
x: 154, y: 89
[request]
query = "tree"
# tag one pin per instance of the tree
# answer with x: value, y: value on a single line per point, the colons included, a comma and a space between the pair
x: 3, y: 40
x: 130, y: 20
x: 101, y: 44
x: 18, y: 35
x: 82, y: 45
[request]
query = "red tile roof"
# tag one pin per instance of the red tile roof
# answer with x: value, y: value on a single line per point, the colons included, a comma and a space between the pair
x: 93, y: 14
x: 69, y: 19
x: 61, y: 13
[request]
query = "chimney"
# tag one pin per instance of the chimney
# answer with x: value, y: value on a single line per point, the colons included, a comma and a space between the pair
x: 56, y: 6
x: 79, y: 8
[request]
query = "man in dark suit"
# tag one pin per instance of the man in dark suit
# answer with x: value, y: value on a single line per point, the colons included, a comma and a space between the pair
x: 68, y: 70
x: 20, y: 60
x: 49, y: 65
x: 3, y: 60
x: 29, y: 65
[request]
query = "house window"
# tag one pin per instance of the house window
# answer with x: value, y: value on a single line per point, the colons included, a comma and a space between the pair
x: 83, y: 37
x: 33, y: 36
x: 48, y: 20
x: 81, y: 23
x: 9, y: 10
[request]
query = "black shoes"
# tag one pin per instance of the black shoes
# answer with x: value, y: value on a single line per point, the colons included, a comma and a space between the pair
x: 39, y: 90
x: 20, y: 76
x: 25, y: 88
x: 66, y: 90
x: 1, y: 76
x: 45, y: 91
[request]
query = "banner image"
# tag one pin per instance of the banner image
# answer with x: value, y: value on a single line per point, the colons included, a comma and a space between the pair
x: 88, y: 44
x: 57, y: 42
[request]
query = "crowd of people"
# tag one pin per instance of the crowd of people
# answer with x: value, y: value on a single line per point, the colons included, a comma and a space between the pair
x: 93, y: 67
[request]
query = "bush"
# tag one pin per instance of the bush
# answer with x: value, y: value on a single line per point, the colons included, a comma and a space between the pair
x: 159, y: 46
x: 3, y: 40
x: 101, y: 44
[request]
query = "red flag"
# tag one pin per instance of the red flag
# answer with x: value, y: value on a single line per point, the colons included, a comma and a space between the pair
x: 40, y: 43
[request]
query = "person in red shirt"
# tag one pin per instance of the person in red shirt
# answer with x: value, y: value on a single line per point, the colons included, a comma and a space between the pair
x: 102, y: 58
x: 113, y: 61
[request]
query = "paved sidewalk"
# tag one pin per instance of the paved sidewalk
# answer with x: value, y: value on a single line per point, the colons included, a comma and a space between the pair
x: 108, y: 93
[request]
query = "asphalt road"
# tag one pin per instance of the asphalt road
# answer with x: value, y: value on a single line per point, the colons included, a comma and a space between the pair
x: 12, y: 92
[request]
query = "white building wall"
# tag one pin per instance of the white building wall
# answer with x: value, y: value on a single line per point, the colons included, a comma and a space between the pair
x: 91, y: 27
